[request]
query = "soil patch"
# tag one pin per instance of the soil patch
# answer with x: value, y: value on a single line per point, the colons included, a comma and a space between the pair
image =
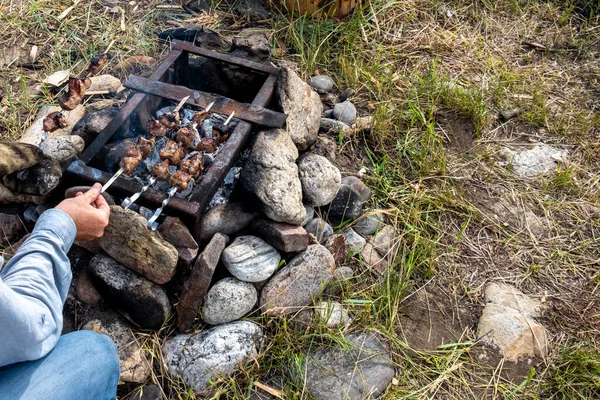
x: 458, y: 132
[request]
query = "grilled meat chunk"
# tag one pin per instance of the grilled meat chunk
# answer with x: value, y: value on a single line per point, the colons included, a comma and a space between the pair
x: 156, y: 129
x: 193, y: 165
x: 200, y: 117
x: 170, y: 120
x: 75, y: 94
x: 53, y: 121
x: 185, y: 136
x: 207, y: 145
x: 131, y: 160
x: 161, y: 170
x: 174, y: 152
x: 145, y: 145
x: 180, y: 180
x: 97, y: 63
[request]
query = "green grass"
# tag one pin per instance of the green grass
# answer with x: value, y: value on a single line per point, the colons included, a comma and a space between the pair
x: 575, y: 373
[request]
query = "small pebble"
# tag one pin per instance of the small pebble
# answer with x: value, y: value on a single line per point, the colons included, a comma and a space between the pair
x: 321, y: 83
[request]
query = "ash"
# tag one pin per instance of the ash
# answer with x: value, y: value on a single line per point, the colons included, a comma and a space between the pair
x: 223, y: 194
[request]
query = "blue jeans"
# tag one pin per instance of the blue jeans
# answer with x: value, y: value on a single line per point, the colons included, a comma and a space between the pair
x: 82, y: 366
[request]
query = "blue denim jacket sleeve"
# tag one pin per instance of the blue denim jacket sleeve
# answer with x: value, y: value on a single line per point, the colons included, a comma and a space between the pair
x: 33, y: 288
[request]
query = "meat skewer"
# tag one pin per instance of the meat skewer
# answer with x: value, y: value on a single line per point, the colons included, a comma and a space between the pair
x: 160, y: 172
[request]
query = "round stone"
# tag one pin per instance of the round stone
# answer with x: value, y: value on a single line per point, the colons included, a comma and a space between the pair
x: 228, y: 300
x: 345, y: 112
x: 251, y: 259
x: 321, y: 83
x: 319, y: 229
x: 320, y: 179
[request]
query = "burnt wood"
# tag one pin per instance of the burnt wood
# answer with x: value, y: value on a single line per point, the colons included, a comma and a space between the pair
x: 223, y: 105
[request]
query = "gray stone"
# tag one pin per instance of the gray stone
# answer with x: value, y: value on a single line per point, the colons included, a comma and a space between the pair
x: 298, y: 283
x: 93, y: 123
x: 271, y: 175
x: 228, y: 218
x: 129, y: 241
x: 333, y: 315
x: 284, y: 237
x: 320, y: 179
x: 371, y: 257
x: 346, y: 94
x: 11, y: 228
x: 320, y: 229
x: 326, y: 147
x: 347, y: 204
x: 369, y: 224
x: 85, y: 289
x: 321, y: 83
x: 134, y: 361
x: 104, y: 83
x: 340, y: 282
x: 199, y: 359
x: 251, y: 259
x: 329, y: 100
x: 176, y: 233
x: 345, y: 112
x: 384, y: 239
x: 354, y: 242
x: 146, y: 392
x: 143, y: 302
x: 302, y: 106
x: 63, y: 149
x: 507, y: 322
x: 327, y: 114
x: 360, y: 370
x: 541, y: 159
x: 229, y: 299
x: 310, y: 214
x: 335, y: 127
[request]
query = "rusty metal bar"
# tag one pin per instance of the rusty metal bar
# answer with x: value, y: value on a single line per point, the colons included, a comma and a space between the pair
x: 233, y: 146
x: 123, y: 187
x: 222, y: 105
x: 226, y: 58
x: 126, y: 111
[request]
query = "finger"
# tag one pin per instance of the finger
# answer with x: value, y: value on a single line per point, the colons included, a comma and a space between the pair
x: 102, y: 205
x: 92, y: 194
x: 78, y: 194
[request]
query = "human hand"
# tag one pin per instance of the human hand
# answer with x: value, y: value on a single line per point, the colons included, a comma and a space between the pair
x: 89, y: 211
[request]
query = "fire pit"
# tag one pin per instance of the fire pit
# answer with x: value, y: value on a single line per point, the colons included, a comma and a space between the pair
x: 164, y: 85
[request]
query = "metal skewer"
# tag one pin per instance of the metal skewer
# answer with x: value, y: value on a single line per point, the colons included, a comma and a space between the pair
x: 152, y: 224
x: 128, y: 202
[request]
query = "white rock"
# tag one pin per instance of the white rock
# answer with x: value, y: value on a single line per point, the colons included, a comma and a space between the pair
x: 105, y: 82
x: 354, y: 242
x: 333, y: 315
x: 251, y: 259
x: 229, y: 299
x: 534, y: 162
x: 320, y: 179
x: 63, y: 148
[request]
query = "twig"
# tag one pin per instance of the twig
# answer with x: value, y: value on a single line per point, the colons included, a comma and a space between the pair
x: 68, y: 10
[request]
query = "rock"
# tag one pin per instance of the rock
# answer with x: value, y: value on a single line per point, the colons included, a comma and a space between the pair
x: 384, y: 240
x: 329, y: 100
x: 354, y: 242
x: 340, y: 281
x: 63, y: 149
x: 320, y: 179
x: 310, y: 214
x: 110, y: 155
x: 327, y: 114
x: 134, y: 362
x: 363, y: 123
x: 373, y: 259
x: 361, y: 369
x: 320, y: 229
x: 146, y: 392
x: 333, y: 315
x: 506, y: 115
x: 255, y: 10
x: 347, y: 204
x: 104, y: 83
x: 298, y: 283
x: 228, y: 218
x: 271, y: 175
x: 11, y: 228
x: 33, y: 134
x: 16, y: 156
x: 346, y: 94
x: 326, y: 147
x: 143, y: 302
x: 251, y: 259
x: 332, y: 126
x: 85, y: 289
x: 284, y: 237
x: 534, y: 162
x: 345, y: 112
x: 321, y: 83
x: 369, y: 224
x: 199, y: 359
x: 229, y: 299
x: 72, y: 192
x: 176, y: 233
x: 129, y: 241
x: 93, y: 123
x: 507, y: 322
x: 39, y: 180
x: 302, y: 106
x: 197, y: 283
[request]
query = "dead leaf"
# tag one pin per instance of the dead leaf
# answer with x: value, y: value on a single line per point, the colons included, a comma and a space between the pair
x: 338, y: 249
x: 536, y: 45
x: 57, y: 78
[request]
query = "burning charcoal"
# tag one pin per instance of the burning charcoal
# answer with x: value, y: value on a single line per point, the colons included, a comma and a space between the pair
x: 145, y: 145
x: 74, y: 96
x: 193, y: 165
x: 185, y: 136
x: 170, y: 120
x: 55, y: 120
x: 97, y: 63
x: 155, y: 128
x: 174, y: 152
x: 200, y: 116
x: 207, y: 145
x: 161, y: 170
x: 180, y: 180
